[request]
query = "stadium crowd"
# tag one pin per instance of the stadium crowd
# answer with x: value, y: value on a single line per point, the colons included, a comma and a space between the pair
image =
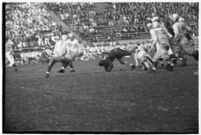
x: 31, y: 26
x: 132, y: 17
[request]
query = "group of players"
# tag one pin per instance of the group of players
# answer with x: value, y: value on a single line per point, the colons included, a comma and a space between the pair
x: 167, y: 45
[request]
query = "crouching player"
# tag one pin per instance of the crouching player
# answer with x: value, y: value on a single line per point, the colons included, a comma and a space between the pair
x: 143, y: 59
x: 118, y: 54
x: 61, y: 54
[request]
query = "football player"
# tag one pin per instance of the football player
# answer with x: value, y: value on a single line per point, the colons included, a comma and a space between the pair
x: 61, y: 54
x: 10, y: 53
x: 74, y: 49
x: 160, y: 41
x: 118, y: 54
x: 182, y: 39
x: 143, y: 59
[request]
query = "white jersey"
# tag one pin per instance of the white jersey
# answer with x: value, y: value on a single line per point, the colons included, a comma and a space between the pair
x: 179, y: 29
x: 60, y: 49
x: 160, y: 35
x: 73, y: 45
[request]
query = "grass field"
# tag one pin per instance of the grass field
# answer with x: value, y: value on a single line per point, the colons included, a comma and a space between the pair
x: 91, y: 99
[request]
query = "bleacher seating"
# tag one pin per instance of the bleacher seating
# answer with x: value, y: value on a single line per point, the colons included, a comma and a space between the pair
x: 92, y: 21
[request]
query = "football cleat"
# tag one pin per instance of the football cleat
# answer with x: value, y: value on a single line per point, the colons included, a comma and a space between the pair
x: 47, y: 75
x: 61, y: 71
x: 72, y: 70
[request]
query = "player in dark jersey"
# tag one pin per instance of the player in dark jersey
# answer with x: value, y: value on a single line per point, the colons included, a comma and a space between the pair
x: 118, y: 54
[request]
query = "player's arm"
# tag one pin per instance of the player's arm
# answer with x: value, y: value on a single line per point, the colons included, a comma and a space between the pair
x: 176, y: 33
x: 168, y: 34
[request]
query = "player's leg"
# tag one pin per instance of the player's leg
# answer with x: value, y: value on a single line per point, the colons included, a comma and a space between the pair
x: 182, y: 56
x: 50, y: 65
x: 167, y: 60
x: 71, y: 67
x: 64, y: 65
x: 69, y: 58
x: 156, y: 58
x: 192, y: 49
x: 182, y: 51
x: 148, y: 61
x: 162, y: 52
x: 137, y: 62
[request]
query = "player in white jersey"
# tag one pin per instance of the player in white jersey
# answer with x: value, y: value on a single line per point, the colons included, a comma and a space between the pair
x: 142, y: 57
x: 160, y: 41
x: 61, y: 55
x: 58, y: 55
x: 9, y: 54
x: 162, y: 25
x: 74, y: 49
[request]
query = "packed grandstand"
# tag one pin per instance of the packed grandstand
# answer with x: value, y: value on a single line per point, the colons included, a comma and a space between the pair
x: 34, y: 27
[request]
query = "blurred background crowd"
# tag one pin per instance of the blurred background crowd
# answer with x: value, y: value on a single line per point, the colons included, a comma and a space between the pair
x: 33, y: 27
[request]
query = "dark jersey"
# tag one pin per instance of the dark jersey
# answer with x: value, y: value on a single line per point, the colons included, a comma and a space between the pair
x: 117, y: 53
x: 169, y: 28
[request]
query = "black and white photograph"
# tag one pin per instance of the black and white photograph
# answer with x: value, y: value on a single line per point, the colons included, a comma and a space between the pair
x: 100, y: 67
